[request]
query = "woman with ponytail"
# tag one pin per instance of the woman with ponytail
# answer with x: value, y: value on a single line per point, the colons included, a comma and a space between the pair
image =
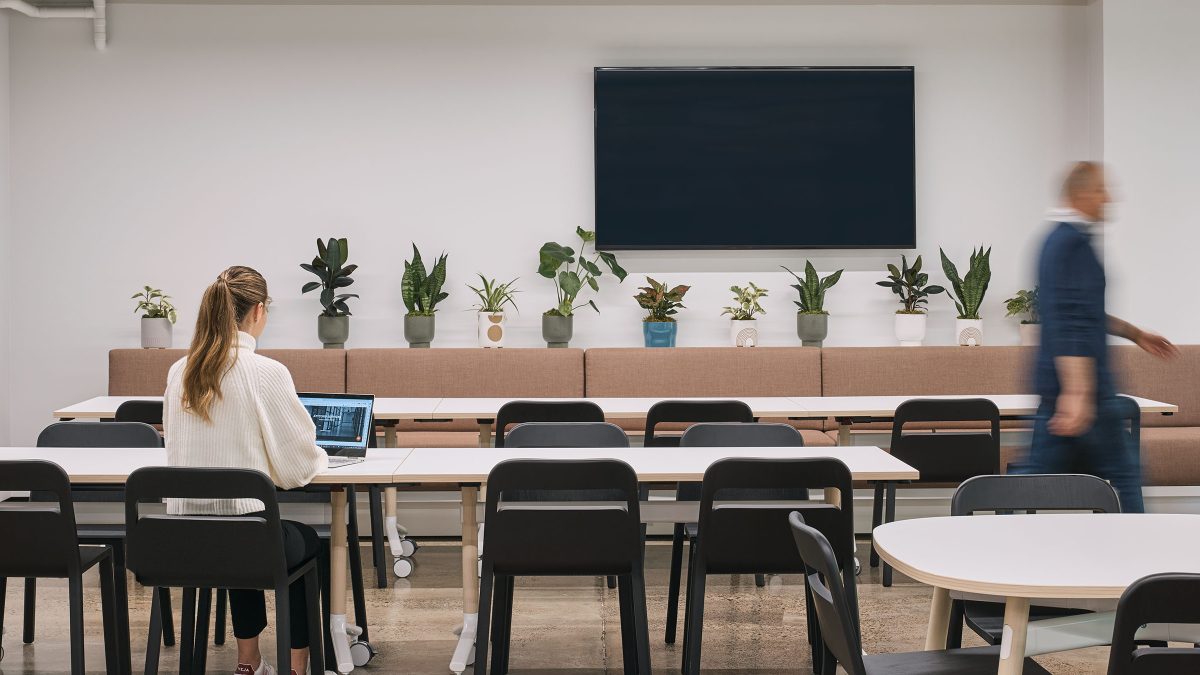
x: 226, y: 406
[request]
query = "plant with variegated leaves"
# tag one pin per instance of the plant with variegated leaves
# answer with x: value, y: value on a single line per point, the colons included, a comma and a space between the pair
x: 812, y: 288
x: 331, y: 268
x: 421, y: 291
x: 660, y: 302
x: 970, y: 289
x: 555, y: 262
x: 745, y: 302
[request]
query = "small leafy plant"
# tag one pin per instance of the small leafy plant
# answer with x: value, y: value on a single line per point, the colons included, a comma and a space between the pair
x: 422, y: 291
x: 153, y: 304
x: 812, y: 288
x: 555, y: 261
x: 969, y: 290
x: 493, y: 295
x: 910, y: 284
x: 660, y: 302
x: 747, y: 302
x: 331, y: 268
x: 1025, y: 303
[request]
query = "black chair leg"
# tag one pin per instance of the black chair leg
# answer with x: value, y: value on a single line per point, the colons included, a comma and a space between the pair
x: 76, y: 608
x: 501, y: 616
x: 283, y: 627
x: 219, y: 624
x: 108, y: 610
x: 187, y: 631
x: 200, y: 649
x: 486, y: 581
x: 641, y: 627
x: 695, y: 637
x: 889, y: 517
x: 876, y: 521
x: 628, y: 642
x: 760, y: 580
x: 168, y: 617
x: 155, y: 636
x: 379, y: 549
x: 3, y: 592
x: 687, y: 598
x: 312, y: 598
x: 673, y: 584
x: 815, y: 643
x: 121, y: 586
x: 612, y: 581
x: 954, y: 631
x: 30, y: 610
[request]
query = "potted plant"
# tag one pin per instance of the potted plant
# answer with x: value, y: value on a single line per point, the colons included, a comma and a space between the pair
x: 661, y: 304
x: 743, y: 327
x: 158, y: 316
x: 1025, y: 304
x: 555, y: 262
x: 969, y: 292
x: 493, y: 296
x: 421, y: 292
x: 333, y: 323
x: 910, y: 284
x: 812, y: 321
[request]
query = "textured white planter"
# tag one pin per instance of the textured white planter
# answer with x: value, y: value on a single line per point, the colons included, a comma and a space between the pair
x: 1031, y: 334
x: 970, y: 332
x: 491, y: 329
x: 156, y: 333
x: 744, y: 333
x: 910, y: 329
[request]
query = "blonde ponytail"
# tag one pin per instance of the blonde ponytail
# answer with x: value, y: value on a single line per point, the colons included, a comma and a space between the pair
x: 225, y: 304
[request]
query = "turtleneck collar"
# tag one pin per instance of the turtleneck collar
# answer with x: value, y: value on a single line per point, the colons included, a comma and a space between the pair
x: 246, y: 341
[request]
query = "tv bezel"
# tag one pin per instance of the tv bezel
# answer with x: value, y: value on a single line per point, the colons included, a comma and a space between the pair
x: 743, y: 247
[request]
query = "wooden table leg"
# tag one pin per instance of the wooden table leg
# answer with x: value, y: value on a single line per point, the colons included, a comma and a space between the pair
x: 485, y: 433
x: 843, y: 433
x: 939, y: 620
x: 389, y: 435
x: 339, y: 629
x: 464, y: 652
x: 833, y: 496
x: 1016, y: 630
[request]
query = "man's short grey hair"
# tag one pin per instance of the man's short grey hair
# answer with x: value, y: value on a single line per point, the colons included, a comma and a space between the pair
x: 1081, y: 177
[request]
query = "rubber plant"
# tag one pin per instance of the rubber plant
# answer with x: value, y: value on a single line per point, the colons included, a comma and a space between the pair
x: 571, y: 272
x: 812, y: 288
x: 970, y: 289
x: 421, y: 291
x: 910, y: 284
x: 330, y: 267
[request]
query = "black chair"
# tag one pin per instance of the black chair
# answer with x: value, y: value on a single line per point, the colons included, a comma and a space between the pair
x: 167, y: 551
x: 947, y: 456
x: 527, y: 538
x: 753, y: 536
x: 97, y: 435
x: 1026, y: 493
x: 839, y: 623
x: 1158, y: 598
x: 146, y: 412
x: 41, y: 541
x: 519, y: 412
x: 690, y: 412
x: 723, y: 435
x: 1130, y: 415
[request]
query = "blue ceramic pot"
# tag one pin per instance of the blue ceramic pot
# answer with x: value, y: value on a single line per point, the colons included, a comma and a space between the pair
x: 659, y: 333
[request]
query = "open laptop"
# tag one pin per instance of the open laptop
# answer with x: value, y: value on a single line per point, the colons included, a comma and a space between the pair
x: 344, y: 425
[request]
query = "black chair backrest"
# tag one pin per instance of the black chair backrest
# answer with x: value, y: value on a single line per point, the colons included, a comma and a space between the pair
x: 549, y: 539
x: 99, y: 435
x: 518, y: 412
x: 752, y: 537
x: 1159, y: 598
x: 691, y: 412
x: 741, y: 435
x: 1034, y: 492
x: 567, y: 435
x: 146, y: 412
x: 948, y: 456
x: 203, y: 550
x: 829, y: 598
x: 41, y: 540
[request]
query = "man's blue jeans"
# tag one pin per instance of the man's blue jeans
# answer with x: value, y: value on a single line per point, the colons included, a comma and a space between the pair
x: 1103, y: 451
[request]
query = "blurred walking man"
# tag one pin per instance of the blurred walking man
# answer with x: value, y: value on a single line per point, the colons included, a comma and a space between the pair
x: 1077, y: 428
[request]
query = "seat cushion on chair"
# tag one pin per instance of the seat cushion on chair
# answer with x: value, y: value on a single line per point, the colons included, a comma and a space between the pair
x: 975, y: 661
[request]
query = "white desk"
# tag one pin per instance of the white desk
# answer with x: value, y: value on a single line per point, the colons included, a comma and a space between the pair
x: 1034, y: 557
x: 113, y: 465
x: 468, y: 468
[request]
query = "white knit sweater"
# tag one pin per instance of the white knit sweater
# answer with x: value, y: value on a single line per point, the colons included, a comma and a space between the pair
x: 257, y: 423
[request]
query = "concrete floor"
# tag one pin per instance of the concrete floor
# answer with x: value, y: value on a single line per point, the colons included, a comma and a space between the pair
x: 568, y: 626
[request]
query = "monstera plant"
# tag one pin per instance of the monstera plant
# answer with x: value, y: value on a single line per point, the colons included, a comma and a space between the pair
x: 570, y: 273
x: 812, y: 321
x: 968, y: 294
x: 421, y: 291
x: 333, y: 324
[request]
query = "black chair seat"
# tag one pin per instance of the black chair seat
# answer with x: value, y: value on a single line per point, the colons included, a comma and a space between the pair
x: 987, y: 618
x: 101, y: 531
x: 979, y: 660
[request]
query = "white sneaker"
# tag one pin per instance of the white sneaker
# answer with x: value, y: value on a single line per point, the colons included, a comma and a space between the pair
x: 264, y: 668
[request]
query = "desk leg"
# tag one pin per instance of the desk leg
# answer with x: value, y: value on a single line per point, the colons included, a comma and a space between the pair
x: 464, y: 652
x: 1016, y: 629
x: 844, y: 433
x: 389, y: 435
x: 939, y: 620
x: 341, y: 631
x: 833, y: 496
x: 485, y: 433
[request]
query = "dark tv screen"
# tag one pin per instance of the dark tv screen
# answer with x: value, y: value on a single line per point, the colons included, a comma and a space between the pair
x: 754, y: 158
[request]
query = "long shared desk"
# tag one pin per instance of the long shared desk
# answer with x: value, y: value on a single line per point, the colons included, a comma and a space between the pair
x: 467, y: 470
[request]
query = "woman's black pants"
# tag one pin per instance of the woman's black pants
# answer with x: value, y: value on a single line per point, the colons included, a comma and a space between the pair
x: 249, y: 608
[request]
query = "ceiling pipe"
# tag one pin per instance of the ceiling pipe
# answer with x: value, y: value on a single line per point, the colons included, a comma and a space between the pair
x: 97, y: 13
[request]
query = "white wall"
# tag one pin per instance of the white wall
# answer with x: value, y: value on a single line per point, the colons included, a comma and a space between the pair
x: 209, y: 136
x: 1152, y: 144
x: 5, y: 232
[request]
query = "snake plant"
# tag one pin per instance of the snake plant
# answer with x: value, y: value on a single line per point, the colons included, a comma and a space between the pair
x: 421, y: 291
x: 970, y: 289
x: 331, y: 268
x: 812, y: 288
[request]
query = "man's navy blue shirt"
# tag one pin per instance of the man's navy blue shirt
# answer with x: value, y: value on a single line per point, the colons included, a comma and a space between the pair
x: 1071, y: 297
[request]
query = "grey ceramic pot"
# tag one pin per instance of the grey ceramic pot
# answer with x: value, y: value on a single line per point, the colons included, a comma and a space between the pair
x: 156, y: 333
x: 418, y: 330
x: 557, y: 330
x: 333, y: 331
x: 812, y: 328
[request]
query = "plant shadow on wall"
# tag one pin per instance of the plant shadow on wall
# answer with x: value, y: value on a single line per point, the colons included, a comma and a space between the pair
x: 570, y: 273
x: 812, y: 321
x: 911, y: 285
x: 659, y: 328
x: 493, y: 297
x: 421, y: 291
x: 968, y: 294
x: 158, y: 317
x: 333, y: 324
x: 743, y: 326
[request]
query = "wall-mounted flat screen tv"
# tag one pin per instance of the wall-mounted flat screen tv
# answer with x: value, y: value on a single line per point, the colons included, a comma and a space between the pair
x: 733, y: 157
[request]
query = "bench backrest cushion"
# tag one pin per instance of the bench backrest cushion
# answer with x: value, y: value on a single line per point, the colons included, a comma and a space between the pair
x: 1176, y: 381
x: 704, y: 371
x: 926, y: 371
x: 143, y: 372
x: 465, y: 372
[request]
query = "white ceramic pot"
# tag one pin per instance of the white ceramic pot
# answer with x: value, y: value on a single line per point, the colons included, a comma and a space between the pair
x: 491, y: 329
x: 970, y: 332
x: 910, y: 329
x: 156, y: 333
x: 744, y: 333
x: 1031, y: 334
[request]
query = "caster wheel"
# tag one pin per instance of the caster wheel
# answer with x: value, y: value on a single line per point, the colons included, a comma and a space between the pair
x: 361, y: 653
x: 403, y: 567
x: 408, y: 548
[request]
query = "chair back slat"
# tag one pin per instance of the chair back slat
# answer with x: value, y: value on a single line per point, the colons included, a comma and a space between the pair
x: 146, y: 412
x: 40, y: 540
x: 566, y: 435
x: 518, y: 412
x: 1034, y: 492
x: 691, y: 412
x: 948, y: 456
x: 99, y: 435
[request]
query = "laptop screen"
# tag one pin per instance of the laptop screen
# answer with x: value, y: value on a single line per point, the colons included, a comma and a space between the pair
x: 343, y: 421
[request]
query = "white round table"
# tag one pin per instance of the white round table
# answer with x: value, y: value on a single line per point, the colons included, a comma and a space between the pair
x: 1044, y: 556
